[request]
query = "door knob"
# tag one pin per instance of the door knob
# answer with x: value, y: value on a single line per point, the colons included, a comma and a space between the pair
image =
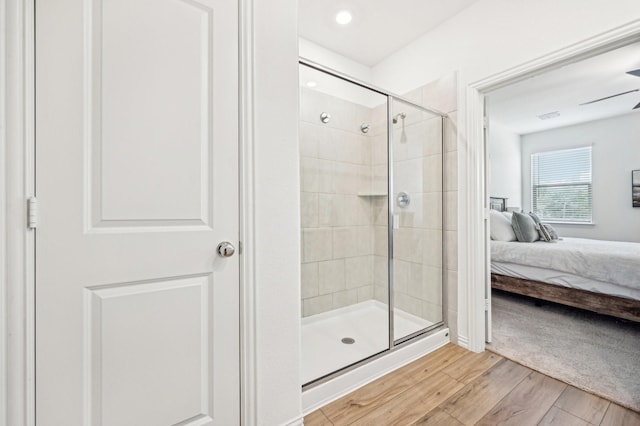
x: 226, y: 249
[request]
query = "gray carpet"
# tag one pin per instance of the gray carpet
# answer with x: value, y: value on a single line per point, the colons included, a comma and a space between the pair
x: 592, y: 352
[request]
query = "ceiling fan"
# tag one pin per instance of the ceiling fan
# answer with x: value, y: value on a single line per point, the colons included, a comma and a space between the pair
x: 632, y: 72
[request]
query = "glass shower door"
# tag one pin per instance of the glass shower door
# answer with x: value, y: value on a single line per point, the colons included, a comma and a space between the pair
x: 343, y: 166
x: 416, y: 206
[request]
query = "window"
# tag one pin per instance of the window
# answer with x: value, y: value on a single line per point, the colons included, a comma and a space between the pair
x: 561, y: 185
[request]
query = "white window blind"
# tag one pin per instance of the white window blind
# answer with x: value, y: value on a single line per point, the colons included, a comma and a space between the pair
x: 561, y: 185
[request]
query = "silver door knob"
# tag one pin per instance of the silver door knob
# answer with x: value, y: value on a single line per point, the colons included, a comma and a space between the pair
x: 226, y: 249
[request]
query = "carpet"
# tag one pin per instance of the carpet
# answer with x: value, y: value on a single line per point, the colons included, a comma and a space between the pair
x: 596, y: 353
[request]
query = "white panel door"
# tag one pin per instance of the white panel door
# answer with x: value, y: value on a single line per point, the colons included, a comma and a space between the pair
x: 137, y: 315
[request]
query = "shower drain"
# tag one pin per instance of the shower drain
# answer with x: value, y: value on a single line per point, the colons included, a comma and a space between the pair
x: 348, y: 340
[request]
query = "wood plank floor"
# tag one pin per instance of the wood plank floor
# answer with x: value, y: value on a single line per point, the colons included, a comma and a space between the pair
x: 453, y: 386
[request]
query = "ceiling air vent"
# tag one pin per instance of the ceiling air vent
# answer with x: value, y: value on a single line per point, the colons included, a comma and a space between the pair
x: 549, y: 115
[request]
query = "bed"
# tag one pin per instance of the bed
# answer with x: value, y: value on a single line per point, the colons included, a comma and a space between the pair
x: 600, y: 276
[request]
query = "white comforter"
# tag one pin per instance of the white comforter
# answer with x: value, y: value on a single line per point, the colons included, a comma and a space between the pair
x: 608, y: 261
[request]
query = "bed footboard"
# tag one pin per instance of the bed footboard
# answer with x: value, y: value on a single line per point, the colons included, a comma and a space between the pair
x: 620, y: 307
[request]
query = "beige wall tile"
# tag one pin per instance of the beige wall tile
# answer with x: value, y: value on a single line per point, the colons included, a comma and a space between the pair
x: 309, y: 279
x: 317, y: 175
x: 380, y: 271
x: 330, y: 208
x: 451, y: 211
x: 356, y: 210
x: 309, y: 209
x: 379, y: 151
x: 431, y: 210
x: 451, y: 250
x: 331, y: 276
x: 432, y: 173
x: 381, y: 293
x: 409, y: 304
x: 432, y: 246
x: 359, y: 271
x: 401, y: 276
x: 365, y: 293
x: 352, y: 241
x: 317, y: 305
x: 381, y: 241
x: 316, y: 244
x: 309, y: 139
x: 350, y: 178
x: 432, y: 312
x: 408, y: 245
x: 451, y: 171
x: 451, y: 285
x: 408, y: 175
x: 345, y: 298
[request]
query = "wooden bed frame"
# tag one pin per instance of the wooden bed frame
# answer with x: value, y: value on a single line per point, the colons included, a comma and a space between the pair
x: 601, y: 303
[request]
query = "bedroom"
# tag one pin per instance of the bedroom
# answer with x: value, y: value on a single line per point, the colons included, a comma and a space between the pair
x: 563, y: 145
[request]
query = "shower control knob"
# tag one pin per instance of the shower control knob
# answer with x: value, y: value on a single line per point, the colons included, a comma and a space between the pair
x: 226, y: 249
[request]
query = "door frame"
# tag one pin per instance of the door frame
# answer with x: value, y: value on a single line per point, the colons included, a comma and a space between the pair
x: 17, y: 250
x: 473, y: 161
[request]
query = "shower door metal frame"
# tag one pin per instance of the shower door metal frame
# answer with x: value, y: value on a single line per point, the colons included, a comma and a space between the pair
x: 411, y: 338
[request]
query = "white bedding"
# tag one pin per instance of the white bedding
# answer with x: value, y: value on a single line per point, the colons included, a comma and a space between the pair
x: 617, y: 263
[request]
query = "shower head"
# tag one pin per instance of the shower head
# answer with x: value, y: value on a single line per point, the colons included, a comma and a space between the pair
x: 402, y: 116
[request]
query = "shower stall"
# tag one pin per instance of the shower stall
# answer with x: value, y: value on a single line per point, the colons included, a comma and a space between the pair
x: 372, y: 220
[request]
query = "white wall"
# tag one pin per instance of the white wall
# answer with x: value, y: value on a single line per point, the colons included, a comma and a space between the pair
x: 277, y: 218
x: 328, y: 58
x: 615, y: 152
x: 505, y: 156
x: 491, y: 36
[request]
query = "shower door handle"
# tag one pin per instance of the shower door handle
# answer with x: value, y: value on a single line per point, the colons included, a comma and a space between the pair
x: 226, y: 249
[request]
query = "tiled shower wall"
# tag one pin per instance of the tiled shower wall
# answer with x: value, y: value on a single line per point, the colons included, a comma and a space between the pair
x: 337, y: 231
x: 417, y: 161
x: 338, y: 162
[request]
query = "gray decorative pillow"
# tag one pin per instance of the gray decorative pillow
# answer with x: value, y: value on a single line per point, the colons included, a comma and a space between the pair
x: 544, y: 233
x: 549, y: 229
x: 524, y: 227
x: 535, y: 218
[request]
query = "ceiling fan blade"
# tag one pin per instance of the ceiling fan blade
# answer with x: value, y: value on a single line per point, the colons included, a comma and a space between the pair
x: 609, y: 97
x: 637, y: 106
x: 634, y: 72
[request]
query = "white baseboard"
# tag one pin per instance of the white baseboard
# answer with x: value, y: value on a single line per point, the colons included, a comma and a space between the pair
x: 298, y: 421
x: 321, y: 395
x: 463, y: 341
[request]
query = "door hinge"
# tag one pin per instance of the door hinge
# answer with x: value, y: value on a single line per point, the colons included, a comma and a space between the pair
x: 486, y: 304
x: 32, y: 213
x: 485, y: 122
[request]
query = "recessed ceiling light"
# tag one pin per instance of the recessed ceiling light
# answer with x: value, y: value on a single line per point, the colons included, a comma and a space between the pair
x: 311, y: 84
x: 549, y: 115
x: 343, y: 17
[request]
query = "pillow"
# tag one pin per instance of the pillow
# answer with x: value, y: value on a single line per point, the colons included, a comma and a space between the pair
x: 547, y: 233
x: 535, y: 218
x: 544, y: 234
x: 508, y: 215
x: 500, y: 227
x: 525, y: 228
x: 549, y: 229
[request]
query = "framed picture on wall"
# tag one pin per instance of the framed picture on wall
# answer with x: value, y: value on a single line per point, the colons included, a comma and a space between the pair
x: 635, y: 188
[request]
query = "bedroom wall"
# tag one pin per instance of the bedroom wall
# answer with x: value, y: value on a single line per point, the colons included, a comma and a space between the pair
x: 505, y: 171
x: 615, y: 153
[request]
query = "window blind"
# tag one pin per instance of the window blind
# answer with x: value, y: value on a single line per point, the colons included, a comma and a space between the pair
x: 561, y: 185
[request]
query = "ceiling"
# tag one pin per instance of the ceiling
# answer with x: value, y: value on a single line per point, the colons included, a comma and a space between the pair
x: 518, y: 106
x: 378, y: 29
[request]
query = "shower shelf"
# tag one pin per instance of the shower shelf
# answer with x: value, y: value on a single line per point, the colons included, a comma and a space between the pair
x: 372, y: 194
